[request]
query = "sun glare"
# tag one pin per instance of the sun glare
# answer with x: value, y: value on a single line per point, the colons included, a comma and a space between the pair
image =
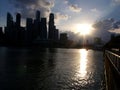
x: 84, y: 29
x: 83, y: 62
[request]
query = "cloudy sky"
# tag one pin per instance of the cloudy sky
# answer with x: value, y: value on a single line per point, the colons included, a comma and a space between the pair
x: 67, y: 12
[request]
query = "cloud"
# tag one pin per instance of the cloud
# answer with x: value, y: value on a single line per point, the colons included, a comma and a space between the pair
x: 115, y: 28
x: 115, y: 2
x: 102, y: 29
x: 59, y: 16
x: 66, y: 1
x: 74, y: 8
x: 94, y: 10
x: 28, y: 7
x: 115, y: 31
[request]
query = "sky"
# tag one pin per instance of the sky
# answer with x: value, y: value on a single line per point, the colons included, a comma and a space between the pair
x: 68, y: 13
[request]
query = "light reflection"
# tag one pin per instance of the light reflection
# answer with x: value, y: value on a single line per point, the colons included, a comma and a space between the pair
x: 83, y: 62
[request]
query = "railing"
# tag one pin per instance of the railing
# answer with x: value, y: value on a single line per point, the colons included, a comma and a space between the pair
x: 112, y: 70
x: 114, y: 59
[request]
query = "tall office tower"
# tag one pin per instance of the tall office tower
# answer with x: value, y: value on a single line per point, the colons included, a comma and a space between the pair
x: 18, y: 31
x: 51, y: 18
x: 37, y: 25
x: 43, y: 30
x: 9, y: 28
x: 38, y: 15
x: 10, y: 22
x: 18, y: 19
x: 51, y: 27
x: 29, y: 28
x: 56, y: 36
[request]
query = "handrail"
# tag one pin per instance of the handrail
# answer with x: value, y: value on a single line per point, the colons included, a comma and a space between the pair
x: 113, y: 53
x: 114, y: 59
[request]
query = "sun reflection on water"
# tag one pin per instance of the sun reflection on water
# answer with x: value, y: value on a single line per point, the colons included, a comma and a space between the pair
x: 83, y: 63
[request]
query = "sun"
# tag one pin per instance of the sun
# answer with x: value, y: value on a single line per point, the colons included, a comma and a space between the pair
x: 83, y: 29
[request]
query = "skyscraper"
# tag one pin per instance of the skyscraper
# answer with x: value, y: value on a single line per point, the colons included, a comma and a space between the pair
x: 43, y: 30
x: 37, y: 25
x: 29, y: 28
x: 38, y: 15
x: 51, y: 27
x: 9, y: 20
x: 18, y: 19
x: 17, y: 30
x: 56, y: 34
x: 9, y: 34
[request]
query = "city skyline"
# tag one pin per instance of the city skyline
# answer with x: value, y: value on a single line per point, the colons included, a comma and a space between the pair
x: 36, y: 31
x: 85, y: 28
x: 66, y: 11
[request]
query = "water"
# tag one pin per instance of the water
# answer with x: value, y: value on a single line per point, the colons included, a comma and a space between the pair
x: 50, y: 69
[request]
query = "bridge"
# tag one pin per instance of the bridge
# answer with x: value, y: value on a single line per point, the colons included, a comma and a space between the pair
x: 112, y: 70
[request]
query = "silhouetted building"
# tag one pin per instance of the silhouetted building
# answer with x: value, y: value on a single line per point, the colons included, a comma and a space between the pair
x: 21, y: 35
x: 56, y: 34
x: 10, y: 22
x: 18, y: 30
x: 15, y: 34
x: 36, y: 25
x: 63, y: 37
x: 1, y: 34
x: 51, y: 27
x: 18, y: 19
x: 38, y: 15
x: 43, y: 29
x: 36, y: 32
x: 29, y: 28
x: 9, y: 29
x: 114, y: 43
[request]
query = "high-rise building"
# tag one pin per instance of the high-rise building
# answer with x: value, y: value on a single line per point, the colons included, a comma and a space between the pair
x: 9, y: 29
x: 18, y: 19
x: 55, y: 33
x: 29, y: 23
x: 38, y: 15
x: 17, y: 30
x: 56, y: 36
x: 29, y: 28
x: 36, y: 32
x: 51, y: 18
x: 51, y: 27
x: 43, y: 30
x: 35, y: 29
x: 10, y: 22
